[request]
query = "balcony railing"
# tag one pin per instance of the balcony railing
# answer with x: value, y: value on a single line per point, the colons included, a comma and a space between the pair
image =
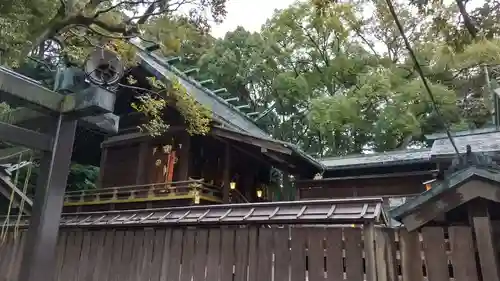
x: 195, y: 190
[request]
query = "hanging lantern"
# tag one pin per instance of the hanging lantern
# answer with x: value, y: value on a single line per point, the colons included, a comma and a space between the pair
x: 232, y: 185
x: 428, y: 184
x: 259, y: 193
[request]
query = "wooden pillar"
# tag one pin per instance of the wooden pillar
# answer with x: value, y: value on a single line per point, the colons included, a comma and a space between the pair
x: 287, y: 187
x: 104, y: 155
x: 297, y: 189
x: 140, y: 177
x: 247, y: 185
x: 184, y: 157
x: 226, y: 176
x: 481, y: 223
x: 39, y: 256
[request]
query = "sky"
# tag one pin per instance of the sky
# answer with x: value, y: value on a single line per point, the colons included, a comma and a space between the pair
x: 251, y: 14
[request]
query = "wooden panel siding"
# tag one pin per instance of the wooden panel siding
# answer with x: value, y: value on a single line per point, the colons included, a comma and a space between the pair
x: 120, y: 166
x: 396, y: 186
x: 290, y: 253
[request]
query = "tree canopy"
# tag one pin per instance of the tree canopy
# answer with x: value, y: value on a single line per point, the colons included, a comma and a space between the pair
x: 341, y: 80
x: 334, y: 76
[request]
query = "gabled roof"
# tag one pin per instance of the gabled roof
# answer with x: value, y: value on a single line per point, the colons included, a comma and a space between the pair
x: 484, y: 140
x: 223, y: 112
x: 460, y: 188
x: 228, y: 116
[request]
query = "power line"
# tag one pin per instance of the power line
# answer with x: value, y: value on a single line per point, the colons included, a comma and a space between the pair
x: 421, y: 74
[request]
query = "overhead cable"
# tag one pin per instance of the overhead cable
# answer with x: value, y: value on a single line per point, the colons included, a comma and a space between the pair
x: 421, y: 74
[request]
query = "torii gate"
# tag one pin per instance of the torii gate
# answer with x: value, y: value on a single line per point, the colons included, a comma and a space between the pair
x: 61, y: 114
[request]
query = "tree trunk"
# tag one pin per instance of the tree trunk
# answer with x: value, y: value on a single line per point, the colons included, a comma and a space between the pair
x: 467, y: 19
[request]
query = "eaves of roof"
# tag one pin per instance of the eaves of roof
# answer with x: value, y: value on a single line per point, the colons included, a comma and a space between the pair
x: 224, y: 113
x: 377, y: 159
x: 454, y: 181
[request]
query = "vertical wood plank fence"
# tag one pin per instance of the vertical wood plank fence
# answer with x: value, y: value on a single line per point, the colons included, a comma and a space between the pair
x: 290, y: 253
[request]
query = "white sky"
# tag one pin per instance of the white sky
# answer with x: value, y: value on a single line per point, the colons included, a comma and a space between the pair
x: 251, y: 14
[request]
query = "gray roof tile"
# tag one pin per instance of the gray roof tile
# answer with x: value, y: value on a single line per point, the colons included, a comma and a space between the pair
x: 331, y: 211
x: 223, y: 112
x: 485, y: 142
x: 386, y: 158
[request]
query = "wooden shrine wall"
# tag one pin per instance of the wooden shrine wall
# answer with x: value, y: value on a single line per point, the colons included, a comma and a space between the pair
x: 289, y: 253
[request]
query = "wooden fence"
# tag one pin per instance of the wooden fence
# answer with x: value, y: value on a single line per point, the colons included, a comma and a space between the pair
x: 289, y: 253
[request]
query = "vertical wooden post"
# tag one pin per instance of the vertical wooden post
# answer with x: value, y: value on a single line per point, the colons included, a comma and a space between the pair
x: 411, y: 257
x: 227, y: 174
x: 297, y: 189
x: 184, y: 157
x: 247, y: 185
x: 385, y: 254
x: 140, y: 177
x: 481, y: 223
x: 104, y: 155
x: 369, y: 247
x: 38, y: 260
x: 287, y: 187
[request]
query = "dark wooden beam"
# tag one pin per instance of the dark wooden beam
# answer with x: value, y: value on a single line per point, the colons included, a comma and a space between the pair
x: 23, y: 137
x: 269, y: 144
x: 287, y: 186
x: 184, y: 157
x: 256, y: 156
x: 142, y: 157
x: 371, y: 176
x: 19, y: 90
x: 38, y: 259
x: 279, y: 159
x: 226, y: 177
x: 92, y: 101
x: 135, y: 137
x: 102, y: 165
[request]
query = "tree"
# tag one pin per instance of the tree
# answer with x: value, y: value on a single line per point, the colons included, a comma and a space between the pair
x: 178, y: 37
x: 341, y: 82
x: 27, y: 24
x: 52, y: 31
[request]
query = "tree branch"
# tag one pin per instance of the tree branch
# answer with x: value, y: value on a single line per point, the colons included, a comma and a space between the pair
x: 112, y: 7
x: 146, y: 15
x: 150, y: 11
x: 467, y: 19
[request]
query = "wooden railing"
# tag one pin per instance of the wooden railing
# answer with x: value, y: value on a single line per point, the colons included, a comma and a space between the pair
x: 195, y: 190
x: 238, y: 197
